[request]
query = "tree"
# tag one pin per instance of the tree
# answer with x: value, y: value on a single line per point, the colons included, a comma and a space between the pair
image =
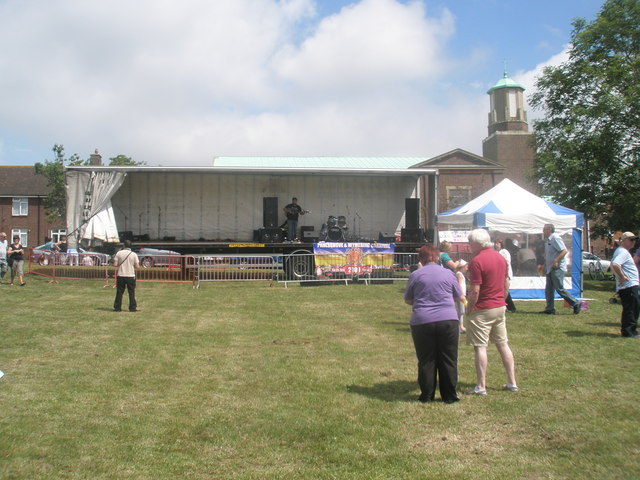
x: 588, y: 142
x: 123, y: 161
x: 56, y: 202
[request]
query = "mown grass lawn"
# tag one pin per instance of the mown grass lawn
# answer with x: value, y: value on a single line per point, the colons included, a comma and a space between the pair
x: 251, y: 381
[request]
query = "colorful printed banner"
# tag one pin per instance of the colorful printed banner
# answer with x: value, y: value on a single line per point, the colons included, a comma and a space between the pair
x: 352, y: 258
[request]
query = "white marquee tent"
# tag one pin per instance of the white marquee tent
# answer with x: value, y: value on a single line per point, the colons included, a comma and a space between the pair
x: 510, y: 209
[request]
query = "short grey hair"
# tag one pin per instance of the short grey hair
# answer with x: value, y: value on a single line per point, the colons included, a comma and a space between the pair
x: 480, y: 236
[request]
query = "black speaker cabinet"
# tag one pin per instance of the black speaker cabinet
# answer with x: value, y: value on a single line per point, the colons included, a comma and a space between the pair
x: 271, y: 235
x: 384, y: 237
x: 412, y: 235
x: 411, y: 213
x: 429, y: 235
x: 309, y: 236
x: 269, y: 212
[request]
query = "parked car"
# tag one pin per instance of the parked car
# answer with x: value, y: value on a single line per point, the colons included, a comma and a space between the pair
x: 46, y: 254
x: 593, y: 264
x: 153, y: 257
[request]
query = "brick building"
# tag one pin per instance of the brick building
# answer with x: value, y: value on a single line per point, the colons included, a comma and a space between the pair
x: 22, y: 212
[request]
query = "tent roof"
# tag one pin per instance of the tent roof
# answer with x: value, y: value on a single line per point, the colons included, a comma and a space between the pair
x: 510, y: 208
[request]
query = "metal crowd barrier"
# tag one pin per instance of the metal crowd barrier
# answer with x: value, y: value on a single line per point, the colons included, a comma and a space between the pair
x: 68, y: 265
x: 297, y: 267
x: 215, y: 268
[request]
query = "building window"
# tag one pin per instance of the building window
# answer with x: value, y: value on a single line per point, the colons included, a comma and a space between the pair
x: 513, y: 104
x: 20, y: 206
x: 23, y: 233
x: 56, y: 234
x: 457, y: 196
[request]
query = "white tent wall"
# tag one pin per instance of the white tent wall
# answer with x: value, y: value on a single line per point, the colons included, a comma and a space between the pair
x: 190, y: 206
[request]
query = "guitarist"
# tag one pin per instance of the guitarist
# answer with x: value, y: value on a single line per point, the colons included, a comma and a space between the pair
x: 292, y: 211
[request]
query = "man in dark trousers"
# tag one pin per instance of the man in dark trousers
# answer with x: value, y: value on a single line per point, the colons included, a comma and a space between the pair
x: 292, y: 211
x: 126, y: 263
x: 626, y: 273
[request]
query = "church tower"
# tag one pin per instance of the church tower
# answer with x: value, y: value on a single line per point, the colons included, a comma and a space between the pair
x: 509, y: 142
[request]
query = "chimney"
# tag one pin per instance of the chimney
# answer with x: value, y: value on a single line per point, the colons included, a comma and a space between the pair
x: 95, y: 160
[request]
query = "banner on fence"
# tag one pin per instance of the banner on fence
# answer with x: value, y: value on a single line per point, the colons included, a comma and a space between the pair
x: 352, y: 258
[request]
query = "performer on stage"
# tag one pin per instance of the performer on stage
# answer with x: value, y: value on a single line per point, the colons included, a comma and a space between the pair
x: 292, y: 211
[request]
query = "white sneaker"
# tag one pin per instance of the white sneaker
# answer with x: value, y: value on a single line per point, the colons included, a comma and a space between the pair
x: 511, y: 387
x: 475, y: 391
x: 1, y: 374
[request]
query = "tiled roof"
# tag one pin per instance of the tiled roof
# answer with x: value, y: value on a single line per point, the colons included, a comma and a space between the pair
x: 22, y: 181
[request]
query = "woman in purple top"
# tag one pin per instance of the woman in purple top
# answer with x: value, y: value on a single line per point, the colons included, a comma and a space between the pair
x: 432, y: 292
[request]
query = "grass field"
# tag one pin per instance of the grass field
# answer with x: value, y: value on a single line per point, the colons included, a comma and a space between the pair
x: 248, y: 381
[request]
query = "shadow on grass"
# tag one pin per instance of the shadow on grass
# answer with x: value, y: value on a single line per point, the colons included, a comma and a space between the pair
x: 603, y: 324
x: 576, y: 333
x: 392, y: 391
x: 600, y: 286
x: 400, y: 326
x: 395, y: 390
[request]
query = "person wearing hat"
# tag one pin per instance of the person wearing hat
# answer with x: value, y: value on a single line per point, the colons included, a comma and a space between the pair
x: 626, y: 273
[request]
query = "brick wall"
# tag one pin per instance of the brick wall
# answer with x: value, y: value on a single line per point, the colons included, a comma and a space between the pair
x: 35, y: 222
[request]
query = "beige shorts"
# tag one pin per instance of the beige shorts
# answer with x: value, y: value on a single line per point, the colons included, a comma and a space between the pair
x: 487, y: 326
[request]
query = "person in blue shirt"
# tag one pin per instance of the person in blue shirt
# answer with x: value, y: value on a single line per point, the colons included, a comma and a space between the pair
x: 626, y: 273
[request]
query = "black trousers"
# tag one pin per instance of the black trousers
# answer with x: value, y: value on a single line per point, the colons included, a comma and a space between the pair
x: 630, y: 299
x: 130, y: 284
x: 436, y: 347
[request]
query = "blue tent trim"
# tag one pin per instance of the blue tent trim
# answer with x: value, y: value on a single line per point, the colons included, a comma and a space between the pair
x: 451, y: 211
x: 490, y: 208
x: 560, y: 210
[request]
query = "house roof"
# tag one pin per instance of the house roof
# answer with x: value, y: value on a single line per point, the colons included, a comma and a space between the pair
x: 22, y: 181
x: 460, y: 159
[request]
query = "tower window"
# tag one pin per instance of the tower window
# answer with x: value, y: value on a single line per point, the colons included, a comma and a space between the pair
x: 513, y: 104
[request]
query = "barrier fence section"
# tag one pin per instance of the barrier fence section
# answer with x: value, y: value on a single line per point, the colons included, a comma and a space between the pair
x: 298, y: 267
x: 210, y: 268
x: 69, y: 265
x: 381, y: 267
x: 156, y: 268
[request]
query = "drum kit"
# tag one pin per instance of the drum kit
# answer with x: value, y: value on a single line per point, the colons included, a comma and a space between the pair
x: 335, y: 230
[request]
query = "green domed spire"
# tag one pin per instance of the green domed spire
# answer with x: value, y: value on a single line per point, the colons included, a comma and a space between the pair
x: 505, y: 82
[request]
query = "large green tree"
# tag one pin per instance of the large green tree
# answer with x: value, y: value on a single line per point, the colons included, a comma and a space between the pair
x: 588, y: 142
x: 53, y: 170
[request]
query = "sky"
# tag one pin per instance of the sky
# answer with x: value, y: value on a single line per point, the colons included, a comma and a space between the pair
x: 179, y: 82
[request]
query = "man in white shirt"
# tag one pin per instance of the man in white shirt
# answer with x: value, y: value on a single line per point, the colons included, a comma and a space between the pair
x: 626, y: 273
x: 126, y: 263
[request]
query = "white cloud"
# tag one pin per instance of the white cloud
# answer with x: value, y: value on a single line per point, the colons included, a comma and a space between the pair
x: 181, y: 81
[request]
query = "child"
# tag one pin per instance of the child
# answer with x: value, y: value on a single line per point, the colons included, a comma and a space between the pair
x: 461, y: 269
